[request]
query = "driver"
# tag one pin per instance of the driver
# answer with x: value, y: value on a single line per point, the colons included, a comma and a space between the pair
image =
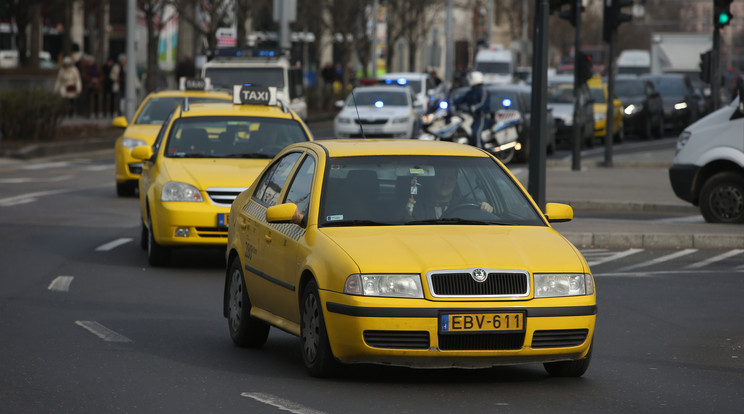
x: 441, y: 196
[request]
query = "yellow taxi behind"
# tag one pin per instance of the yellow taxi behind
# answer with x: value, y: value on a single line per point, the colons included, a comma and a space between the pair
x: 203, y: 157
x: 348, y: 245
x: 145, y: 125
x: 599, y: 95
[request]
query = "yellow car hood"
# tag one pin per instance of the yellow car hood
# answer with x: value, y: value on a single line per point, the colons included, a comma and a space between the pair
x: 216, y: 172
x: 145, y: 132
x: 415, y: 249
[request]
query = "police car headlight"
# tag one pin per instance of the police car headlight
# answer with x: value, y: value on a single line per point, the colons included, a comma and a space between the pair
x: 680, y: 106
x: 401, y: 120
x: 550, y: 285
x: 631, y: 109
x: 176, y: 191
x: 386, y: 285
x: 130, y: 143
x: 343, y: 120
x: 599, y: 116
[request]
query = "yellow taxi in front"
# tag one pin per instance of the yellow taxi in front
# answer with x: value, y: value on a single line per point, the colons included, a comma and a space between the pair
x: 340, y: 243
x: 147, y: 121
x: 599, y: 95
x: 203, y: 157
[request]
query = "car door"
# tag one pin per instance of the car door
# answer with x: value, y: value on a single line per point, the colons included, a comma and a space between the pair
x: 262, y: 284
x: 283, y: 262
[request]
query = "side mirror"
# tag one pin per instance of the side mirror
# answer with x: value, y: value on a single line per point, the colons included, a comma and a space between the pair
x: 558, y: 213
x: 120, y: 122
x: 281, y: 213
x: 142, y: 152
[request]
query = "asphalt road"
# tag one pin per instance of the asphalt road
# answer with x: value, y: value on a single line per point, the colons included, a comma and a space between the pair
x: 86, y: 326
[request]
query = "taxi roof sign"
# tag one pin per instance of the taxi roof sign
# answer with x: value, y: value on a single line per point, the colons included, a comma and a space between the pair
x: 194, y: 84
x: 254, y: 95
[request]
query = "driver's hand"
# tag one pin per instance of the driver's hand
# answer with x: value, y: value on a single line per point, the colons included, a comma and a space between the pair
x: 486, y: 207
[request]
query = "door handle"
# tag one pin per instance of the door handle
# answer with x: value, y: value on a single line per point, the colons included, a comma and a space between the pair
x: 267, y: 237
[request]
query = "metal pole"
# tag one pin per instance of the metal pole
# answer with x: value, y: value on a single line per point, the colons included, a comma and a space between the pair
x: 283, y: 25
x: 610, y: 101
x: 450, y: 54
x: 536, y: 182
x: 576, y: 138
x: 373, y: 55
x: 715, y: 70
x: 130, y: 90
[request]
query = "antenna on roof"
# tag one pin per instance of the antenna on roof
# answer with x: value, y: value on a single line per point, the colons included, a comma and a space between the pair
x: 359, y: 119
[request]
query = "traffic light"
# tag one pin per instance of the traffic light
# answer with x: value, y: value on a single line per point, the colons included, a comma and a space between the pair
x: 705, y: 61
x: 573, y: 13
x: 584, y: 63
x: 614, y: 16
x: 721, y: 13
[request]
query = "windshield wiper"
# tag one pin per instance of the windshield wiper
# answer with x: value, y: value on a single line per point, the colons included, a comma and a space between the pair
x: 456, y: 220
x: 341, y: 223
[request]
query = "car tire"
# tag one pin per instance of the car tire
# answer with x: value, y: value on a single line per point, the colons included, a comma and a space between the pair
x: 574, y: 369
x: 316, y: 349
x: 143, y: 237
x: 157, y: 255
x: 722, y: 198
x: 126, y: 189
x: 245, y: 331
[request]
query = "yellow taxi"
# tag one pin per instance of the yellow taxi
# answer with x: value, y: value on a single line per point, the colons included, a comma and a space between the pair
x: 599, y: 95
x: 202, y: 158
x: 405, y: 252
x: 146, y: 123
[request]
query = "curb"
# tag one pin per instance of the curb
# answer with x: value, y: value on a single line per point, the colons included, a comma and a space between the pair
x: 630, y: 207
x: 655, y: 240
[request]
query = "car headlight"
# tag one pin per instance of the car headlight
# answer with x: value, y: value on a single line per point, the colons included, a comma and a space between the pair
x: 401, y: 120
x: 176, y: 191
x: 130, y: 143
x: 550, y: 285
x: 682, y: 140
x: 680, y: 106
x: 387, y: 285
x: 343, y: 120
x: 599, y: 116
x: 631, y: 109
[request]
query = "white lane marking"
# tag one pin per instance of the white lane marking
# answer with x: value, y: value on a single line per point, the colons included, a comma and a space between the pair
x: 686, y: 219
x: 30, y: 197
x: 616, y: 256
x: 102, y: 332
x: 61, y: 283
x: 280, y: 403
x: 98, y: 168
x: 714, y: 259
x: 667, y: 273
x: 25, y: 180
x: 46, y: 165
x: 112, y: 244
x: 658, y: 260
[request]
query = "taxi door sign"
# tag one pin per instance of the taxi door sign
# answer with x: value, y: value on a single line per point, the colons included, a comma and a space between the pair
x: 254, y: 95
x: 193, y: 84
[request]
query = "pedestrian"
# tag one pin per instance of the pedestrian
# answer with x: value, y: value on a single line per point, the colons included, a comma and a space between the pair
x: 108, y: 98
x: 185, y: 69
x: 434, y: 77
x: 92, y: 85
x: 328, y: 75
x: 68, y: 84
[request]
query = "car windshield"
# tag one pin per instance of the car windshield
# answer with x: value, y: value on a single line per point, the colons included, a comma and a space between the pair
x: 225, y: 77
x: 629, y: 88
x: 231, y: 137
x: 560, y: 94
x: 502, y: 68
x: 669, y: 86
x: 414, y: 84
x: 598, y: 95
x: 410, y: 190
x: 378, y: 98
x: 156, y: 110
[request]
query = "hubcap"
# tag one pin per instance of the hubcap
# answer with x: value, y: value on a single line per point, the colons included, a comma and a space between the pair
x: 236, y: 300
x: 727, y: 202
x: 311, y: 328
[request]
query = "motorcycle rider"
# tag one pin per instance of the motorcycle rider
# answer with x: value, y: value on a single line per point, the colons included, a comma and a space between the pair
x: 478, y: 104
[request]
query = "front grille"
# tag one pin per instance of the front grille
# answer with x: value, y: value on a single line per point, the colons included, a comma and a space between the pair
x: 224, y: 196
x: 559, y: 338
x: 481, y: 342
x: 371, y: 121
x: 397, y: 339
x: 497, y: 283
x: 211, y: 232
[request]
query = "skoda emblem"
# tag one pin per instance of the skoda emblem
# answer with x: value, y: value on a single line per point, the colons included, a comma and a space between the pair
x: 479, y: 275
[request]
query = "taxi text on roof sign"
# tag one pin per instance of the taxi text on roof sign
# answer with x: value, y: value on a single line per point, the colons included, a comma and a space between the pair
x: 194, y: 84
x: 254, y: 95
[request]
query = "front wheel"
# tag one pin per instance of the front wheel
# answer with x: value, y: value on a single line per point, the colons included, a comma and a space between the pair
x: 245, y: 330
x: 316, y: 349
x: 722, y: 198
x: 575, y: 368
x: 157, y: 255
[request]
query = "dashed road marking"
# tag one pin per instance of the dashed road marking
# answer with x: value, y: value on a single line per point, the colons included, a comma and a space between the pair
x: 615, y: 256
x: 61, y: 283
x: 658, y: 260
x: 29, y: 197
x: 714, y: 259
x: 280, y: 403
x: 112, y: 244
x: 46, y: 165
x: 102, y: 332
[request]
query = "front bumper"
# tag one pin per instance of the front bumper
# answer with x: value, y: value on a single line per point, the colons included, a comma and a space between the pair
x: 682, y: 178
x: 128, y: 169
x: 201, y: 220
x: 406, y: 332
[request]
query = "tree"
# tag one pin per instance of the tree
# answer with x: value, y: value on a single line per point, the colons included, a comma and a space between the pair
x: 155, y: 20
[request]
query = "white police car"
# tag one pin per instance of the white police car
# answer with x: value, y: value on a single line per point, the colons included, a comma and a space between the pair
x: 379, y: 111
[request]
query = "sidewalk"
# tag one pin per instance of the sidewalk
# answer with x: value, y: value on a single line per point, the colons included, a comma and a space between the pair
x: 630, y: 205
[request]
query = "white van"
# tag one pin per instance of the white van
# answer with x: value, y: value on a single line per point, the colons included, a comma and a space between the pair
x: 421, y: 84
x: 259, y: 68
x: 634, y: 62
x: 708, y: 169
x: 497, y: 66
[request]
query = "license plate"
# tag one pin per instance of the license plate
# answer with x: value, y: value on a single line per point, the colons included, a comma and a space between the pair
x: 223, y: 219
x: 481, y: 322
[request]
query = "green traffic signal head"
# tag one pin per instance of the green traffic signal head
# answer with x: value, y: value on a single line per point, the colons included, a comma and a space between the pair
x: 723, y: 19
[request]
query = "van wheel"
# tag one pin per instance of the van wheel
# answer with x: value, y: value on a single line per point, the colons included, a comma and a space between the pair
x: 722, y: 198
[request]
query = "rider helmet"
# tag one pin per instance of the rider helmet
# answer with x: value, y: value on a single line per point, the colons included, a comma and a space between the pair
x: 475, y: 78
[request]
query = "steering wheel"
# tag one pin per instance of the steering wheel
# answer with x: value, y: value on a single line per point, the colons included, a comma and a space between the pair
x: 460, y: 207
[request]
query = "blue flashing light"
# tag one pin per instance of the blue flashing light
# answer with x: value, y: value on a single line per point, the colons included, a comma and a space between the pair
x: 506, y: 102
x: 402, y: 81
x: 379, y: 104
x: 388, y: 81
x: 444, y: 104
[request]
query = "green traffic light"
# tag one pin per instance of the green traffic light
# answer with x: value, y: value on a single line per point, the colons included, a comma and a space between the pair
x: 723, y: 18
